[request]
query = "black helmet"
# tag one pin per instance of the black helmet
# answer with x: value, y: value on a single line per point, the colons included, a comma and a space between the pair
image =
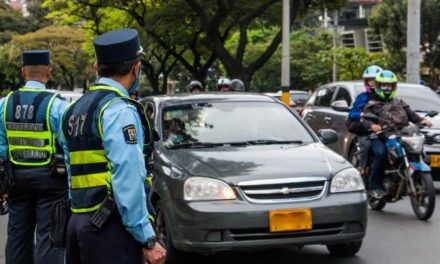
x: 195, y: 85
x: 237, y: 85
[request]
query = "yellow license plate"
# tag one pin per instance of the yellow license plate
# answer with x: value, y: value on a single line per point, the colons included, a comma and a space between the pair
x: 435, y: 160
x: 290, y: 220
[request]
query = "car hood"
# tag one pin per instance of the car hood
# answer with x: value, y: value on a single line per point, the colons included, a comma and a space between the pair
x: 236, y: 164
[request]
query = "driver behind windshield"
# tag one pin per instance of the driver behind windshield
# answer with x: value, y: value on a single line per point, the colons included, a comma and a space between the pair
x: 174, y: 132
x: 389, y: 110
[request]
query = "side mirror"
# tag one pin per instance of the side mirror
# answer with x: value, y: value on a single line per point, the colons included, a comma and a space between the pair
x: 341, y: 106
x: 156, y: 136
x: 328, y: 136
x: 432, y: 113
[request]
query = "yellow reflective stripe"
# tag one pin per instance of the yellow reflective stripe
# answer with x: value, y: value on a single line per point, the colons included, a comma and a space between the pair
x: 108, y: 88
x: 5, y: 106
x: 90, y: 180
x: 30, y: 134
x: 87, y: 157
x: 149, y: 181
x: 100, y: 116
x: 37, y: 90
x: 49, y: 106
x: 85, y: 210
x: 151, y: 218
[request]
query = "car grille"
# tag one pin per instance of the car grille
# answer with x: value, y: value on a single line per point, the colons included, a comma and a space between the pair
x: 429, y: 139
x: 264, y: 233
x: 283, y: 190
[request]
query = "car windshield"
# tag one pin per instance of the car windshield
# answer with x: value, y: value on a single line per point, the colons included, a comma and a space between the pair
x: 239, y: 123
x: 419, y: 98
x: 299, y: 97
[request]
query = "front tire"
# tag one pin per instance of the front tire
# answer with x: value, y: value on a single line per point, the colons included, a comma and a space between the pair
x: 345, y: 250
x: 423, y: 201
x: 164, y: 237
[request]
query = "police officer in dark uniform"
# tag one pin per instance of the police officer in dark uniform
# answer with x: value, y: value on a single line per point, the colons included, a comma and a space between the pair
x: 30, y: 121
x: 103, y: 138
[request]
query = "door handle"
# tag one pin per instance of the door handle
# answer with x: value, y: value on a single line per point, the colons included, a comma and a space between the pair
x: 327, y: 119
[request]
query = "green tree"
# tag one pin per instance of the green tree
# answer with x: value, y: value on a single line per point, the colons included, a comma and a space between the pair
x: 69, y: 62
x: 390, y: 17
x: 195, y: 32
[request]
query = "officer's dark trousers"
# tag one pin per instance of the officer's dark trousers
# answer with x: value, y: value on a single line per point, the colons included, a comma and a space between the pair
x: 30, y: 203
x: 111, y: 244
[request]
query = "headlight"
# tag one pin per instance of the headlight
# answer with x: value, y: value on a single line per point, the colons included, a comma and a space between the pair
x: 199, y: 188
x: 348, y: 180
x: 415, y: 143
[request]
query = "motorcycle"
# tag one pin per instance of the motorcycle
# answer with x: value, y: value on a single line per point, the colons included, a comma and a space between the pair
x: 406, y: 173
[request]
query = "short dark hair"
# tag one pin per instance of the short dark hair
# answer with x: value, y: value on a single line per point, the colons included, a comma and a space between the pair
x: 116, y: 69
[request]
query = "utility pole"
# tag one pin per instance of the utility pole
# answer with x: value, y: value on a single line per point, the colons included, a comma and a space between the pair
x: 285, y: 59
x: 413, y: 42
x: 335, y: 44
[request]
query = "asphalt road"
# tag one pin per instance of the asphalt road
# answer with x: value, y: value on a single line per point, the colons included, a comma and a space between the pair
x: 394, y: 236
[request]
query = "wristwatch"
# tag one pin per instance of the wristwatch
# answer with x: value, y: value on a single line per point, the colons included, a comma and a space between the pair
x: 150, y: 243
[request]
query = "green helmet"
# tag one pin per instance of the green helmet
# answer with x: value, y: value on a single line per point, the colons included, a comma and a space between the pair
x: 386, y: 84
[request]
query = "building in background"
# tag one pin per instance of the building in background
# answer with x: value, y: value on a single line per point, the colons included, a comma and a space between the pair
x: 19, y: 5
x: 354, y: 22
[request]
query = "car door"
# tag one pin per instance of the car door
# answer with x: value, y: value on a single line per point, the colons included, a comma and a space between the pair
x: 316, y: 113
x: 337, y: 120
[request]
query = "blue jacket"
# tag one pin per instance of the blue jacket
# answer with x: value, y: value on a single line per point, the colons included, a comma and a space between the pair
x: 358, y: 105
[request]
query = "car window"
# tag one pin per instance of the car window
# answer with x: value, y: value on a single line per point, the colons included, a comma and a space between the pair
x: 324, y: 96
x: 299, y: 97
x: 229, y: 122
x: 419, y: 98
x: 343, y: 95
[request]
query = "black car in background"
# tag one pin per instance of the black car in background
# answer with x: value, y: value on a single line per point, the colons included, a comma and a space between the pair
x: 328, y: 107
x: 242, y: 171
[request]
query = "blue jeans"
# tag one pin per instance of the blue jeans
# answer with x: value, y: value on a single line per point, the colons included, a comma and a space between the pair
x: 377, y: 170
x: 365, y: 145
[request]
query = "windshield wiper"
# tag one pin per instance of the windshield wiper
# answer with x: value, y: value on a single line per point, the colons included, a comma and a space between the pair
x: 196, y: 145
x: 266, y: 142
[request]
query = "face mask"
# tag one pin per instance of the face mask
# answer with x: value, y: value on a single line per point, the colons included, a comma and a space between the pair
x: 136, y: 82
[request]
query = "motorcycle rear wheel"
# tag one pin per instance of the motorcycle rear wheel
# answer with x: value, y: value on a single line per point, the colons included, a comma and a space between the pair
x: 423, y: 201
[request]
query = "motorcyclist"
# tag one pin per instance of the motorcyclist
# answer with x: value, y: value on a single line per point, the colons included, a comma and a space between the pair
x: 224, y: 85
x: 237, y: 85
x: 354, y: 115
x: 195, y: 86
x: 389, y: 110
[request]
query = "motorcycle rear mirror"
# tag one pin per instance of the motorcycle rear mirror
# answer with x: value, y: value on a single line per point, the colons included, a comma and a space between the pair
x: 432, y: 113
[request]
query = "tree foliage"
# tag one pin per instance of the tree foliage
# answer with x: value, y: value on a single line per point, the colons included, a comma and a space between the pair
x: 390, y: 19
x: 193, y: 32
x: 70, y: 64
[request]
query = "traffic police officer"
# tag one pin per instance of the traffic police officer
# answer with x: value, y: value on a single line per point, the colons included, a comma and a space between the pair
x: 30, y: 121
x: 103, y: 139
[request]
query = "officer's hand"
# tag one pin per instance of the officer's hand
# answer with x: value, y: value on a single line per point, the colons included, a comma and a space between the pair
x: 376, y: 128
x: 155, y: 255
x: 426, y: 122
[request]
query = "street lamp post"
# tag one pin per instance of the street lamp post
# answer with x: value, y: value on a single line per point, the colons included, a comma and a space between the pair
x: 285, y: 60
x: 413, y: 42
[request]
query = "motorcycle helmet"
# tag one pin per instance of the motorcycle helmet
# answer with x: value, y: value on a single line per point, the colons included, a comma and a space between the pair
x: 370, y: 74
x: 386, y: 84
x: 223, y: 84
x: 194, y: 86
x: 237, y: 85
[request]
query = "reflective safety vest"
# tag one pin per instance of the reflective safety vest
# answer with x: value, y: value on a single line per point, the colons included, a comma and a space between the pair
x: 90, y: 169
x: 31, y: 141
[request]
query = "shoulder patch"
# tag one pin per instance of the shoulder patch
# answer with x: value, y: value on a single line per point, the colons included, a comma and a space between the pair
x: 130, y: 135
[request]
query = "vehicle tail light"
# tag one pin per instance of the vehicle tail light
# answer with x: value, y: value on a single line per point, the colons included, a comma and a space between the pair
x: 292, y: 104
